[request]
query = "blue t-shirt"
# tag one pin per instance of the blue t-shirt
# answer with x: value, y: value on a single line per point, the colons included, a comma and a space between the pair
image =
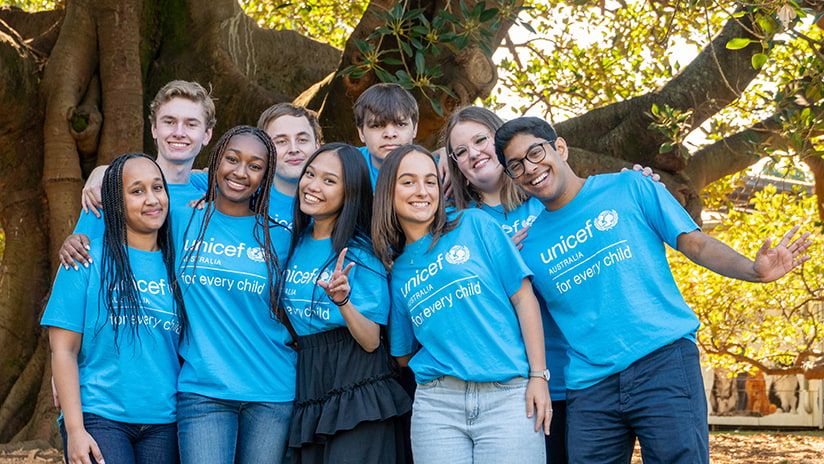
x: 454, y: 301
x: 134, y: 381
x: 373, y: 170
x: 179, y: 194
x: 601, y: 266
x: 310, y: 309
x: 235, y: 348
x: 517, y: 219
x: 554, y: 342
x: 280, y: 205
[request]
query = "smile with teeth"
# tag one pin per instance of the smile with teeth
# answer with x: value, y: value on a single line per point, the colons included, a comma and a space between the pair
x: 178, y: 144
x: 235, y: 185
x: 480, y: 163
x: 420, y: 204
x: 539, y: 179
x: 311, y: 198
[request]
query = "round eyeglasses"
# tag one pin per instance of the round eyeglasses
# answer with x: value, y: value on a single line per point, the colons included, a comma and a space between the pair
x: 534, y: 154
x: 478, y: 142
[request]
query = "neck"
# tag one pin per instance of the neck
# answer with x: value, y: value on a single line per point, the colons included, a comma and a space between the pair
x: 416, y: 231
x: 233, y: 208
x: 570, y: 192
x: 491, y: 194
x: 286, y: 186
x: 142, y: 241
x: 175, y: 173
x: 322, y: 228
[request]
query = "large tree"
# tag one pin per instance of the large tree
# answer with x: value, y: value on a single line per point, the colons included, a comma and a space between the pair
x: 75, y: 82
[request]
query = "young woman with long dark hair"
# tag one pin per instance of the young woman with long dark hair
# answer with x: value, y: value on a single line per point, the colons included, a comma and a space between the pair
x: 335, y: 293
x: 237, y: 382
x: 114, y: 328
x: 464, y: 317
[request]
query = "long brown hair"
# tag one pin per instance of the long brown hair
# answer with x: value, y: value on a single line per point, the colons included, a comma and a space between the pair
x: 463, y: 192
x: 388, y: 237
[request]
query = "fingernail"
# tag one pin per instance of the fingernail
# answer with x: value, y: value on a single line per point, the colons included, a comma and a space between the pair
x: 85, y: 264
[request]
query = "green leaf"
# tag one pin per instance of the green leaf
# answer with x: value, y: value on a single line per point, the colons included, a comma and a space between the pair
x: 737, y: 44
x: 666, y: 147
x: 363, y: 46
x: 758, y: 60
x: 420, y: 62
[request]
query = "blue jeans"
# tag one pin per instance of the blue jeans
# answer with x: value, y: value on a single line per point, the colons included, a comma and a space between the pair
x: 470, y: 422
x: 659, y: 399
x: 212, y: 430
x: 120, y: 442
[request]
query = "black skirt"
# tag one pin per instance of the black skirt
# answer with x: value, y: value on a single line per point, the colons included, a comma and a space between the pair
x: 340, y: 385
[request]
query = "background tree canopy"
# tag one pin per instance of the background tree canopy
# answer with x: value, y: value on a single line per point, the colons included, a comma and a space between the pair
x: 697, y: 90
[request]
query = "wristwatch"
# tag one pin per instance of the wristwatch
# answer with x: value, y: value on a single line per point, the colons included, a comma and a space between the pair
x: 543, y: 374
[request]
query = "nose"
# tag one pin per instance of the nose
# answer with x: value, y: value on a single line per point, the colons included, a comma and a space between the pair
x: 390, y: 131
x: 178, y: 130
x: 293, y: 146
x: 241, y: 170
x: 420, y: 189
x: 152, y: 197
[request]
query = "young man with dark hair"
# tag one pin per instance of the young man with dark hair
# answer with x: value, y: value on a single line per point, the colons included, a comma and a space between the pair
x: 599, y: 261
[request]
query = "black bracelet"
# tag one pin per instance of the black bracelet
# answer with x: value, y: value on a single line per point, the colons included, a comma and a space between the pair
x: 342, y: 302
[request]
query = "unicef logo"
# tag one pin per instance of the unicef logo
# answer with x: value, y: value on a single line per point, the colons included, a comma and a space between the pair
x: 255, y: 254
x: 606, y: 220
x: 457, y: 254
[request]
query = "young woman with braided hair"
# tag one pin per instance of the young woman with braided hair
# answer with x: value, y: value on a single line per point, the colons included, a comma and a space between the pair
x: 348, y: 399
x: 237, y: 382
x: 114, y: 328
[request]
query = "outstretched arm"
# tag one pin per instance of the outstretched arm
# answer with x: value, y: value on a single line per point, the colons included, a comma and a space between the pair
x: 770, y: 264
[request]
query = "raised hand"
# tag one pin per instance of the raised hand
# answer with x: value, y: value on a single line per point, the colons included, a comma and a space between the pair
x: 772, y: 263
x: 337, y: 287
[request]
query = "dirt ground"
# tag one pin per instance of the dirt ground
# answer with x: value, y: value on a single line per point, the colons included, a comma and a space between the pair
x: 725, y: 448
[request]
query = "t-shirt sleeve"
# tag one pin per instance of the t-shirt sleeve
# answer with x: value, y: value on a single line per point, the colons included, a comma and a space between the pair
x: 200, y: 181
x: 67, y: 303
x: 401, y: 337
x: 663, y: 212
x: 90, y: 225
x: 370, y: 289
x: 502, y: 257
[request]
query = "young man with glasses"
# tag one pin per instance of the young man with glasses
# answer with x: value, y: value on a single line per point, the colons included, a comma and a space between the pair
x: 599, y: 261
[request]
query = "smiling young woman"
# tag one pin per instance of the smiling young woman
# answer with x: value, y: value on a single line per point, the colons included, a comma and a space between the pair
x: 116, y: 378
x: 468, y: 327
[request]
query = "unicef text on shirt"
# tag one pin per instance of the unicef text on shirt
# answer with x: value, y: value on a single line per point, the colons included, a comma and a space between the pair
x: 153, y: 287
x: 221, y: 249
x: 606, y: 220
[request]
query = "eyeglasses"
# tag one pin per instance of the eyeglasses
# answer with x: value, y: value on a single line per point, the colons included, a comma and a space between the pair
x: 535, y: 154
x: 478, y: 142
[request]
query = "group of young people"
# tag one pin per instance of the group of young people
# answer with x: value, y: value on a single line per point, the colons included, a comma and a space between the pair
x: 267, y: 310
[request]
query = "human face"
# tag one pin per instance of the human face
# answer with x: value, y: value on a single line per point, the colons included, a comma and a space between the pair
x: 145, y: 202
x: 417, y: 195
x: 180, y: 131
x: 550, y: 179
x: 381, y: 139
x: 295, y: 141
x: 321, y: 188
x: 479, y: 164
x: 239, y: 174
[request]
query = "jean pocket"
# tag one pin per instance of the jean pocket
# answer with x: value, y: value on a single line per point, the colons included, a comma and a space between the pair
x: 430, y: 384
x: 512, y: 384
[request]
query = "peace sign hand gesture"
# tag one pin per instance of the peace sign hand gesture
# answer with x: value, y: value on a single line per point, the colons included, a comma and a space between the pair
x: 337, y: 288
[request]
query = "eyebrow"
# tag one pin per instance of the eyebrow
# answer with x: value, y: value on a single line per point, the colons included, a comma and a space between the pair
x: 328, y: 173
x: 140, y: 181
x: 277, y: 136
x: 235, y: 150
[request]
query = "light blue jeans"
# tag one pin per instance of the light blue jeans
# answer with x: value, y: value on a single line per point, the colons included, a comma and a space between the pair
x: 458, y: 422
x: 212, y: 430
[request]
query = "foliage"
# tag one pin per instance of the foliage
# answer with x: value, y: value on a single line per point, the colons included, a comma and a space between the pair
x: 746, y: 325
x: 408, y: 37
x: 327, y: 21
x: 35, y: 5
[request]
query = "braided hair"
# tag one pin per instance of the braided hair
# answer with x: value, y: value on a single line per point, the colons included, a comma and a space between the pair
x: 258, y: 204
x: 118, y: 286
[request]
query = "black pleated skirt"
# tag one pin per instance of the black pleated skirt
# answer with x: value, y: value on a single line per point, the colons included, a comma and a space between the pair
x: 343, y: 391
